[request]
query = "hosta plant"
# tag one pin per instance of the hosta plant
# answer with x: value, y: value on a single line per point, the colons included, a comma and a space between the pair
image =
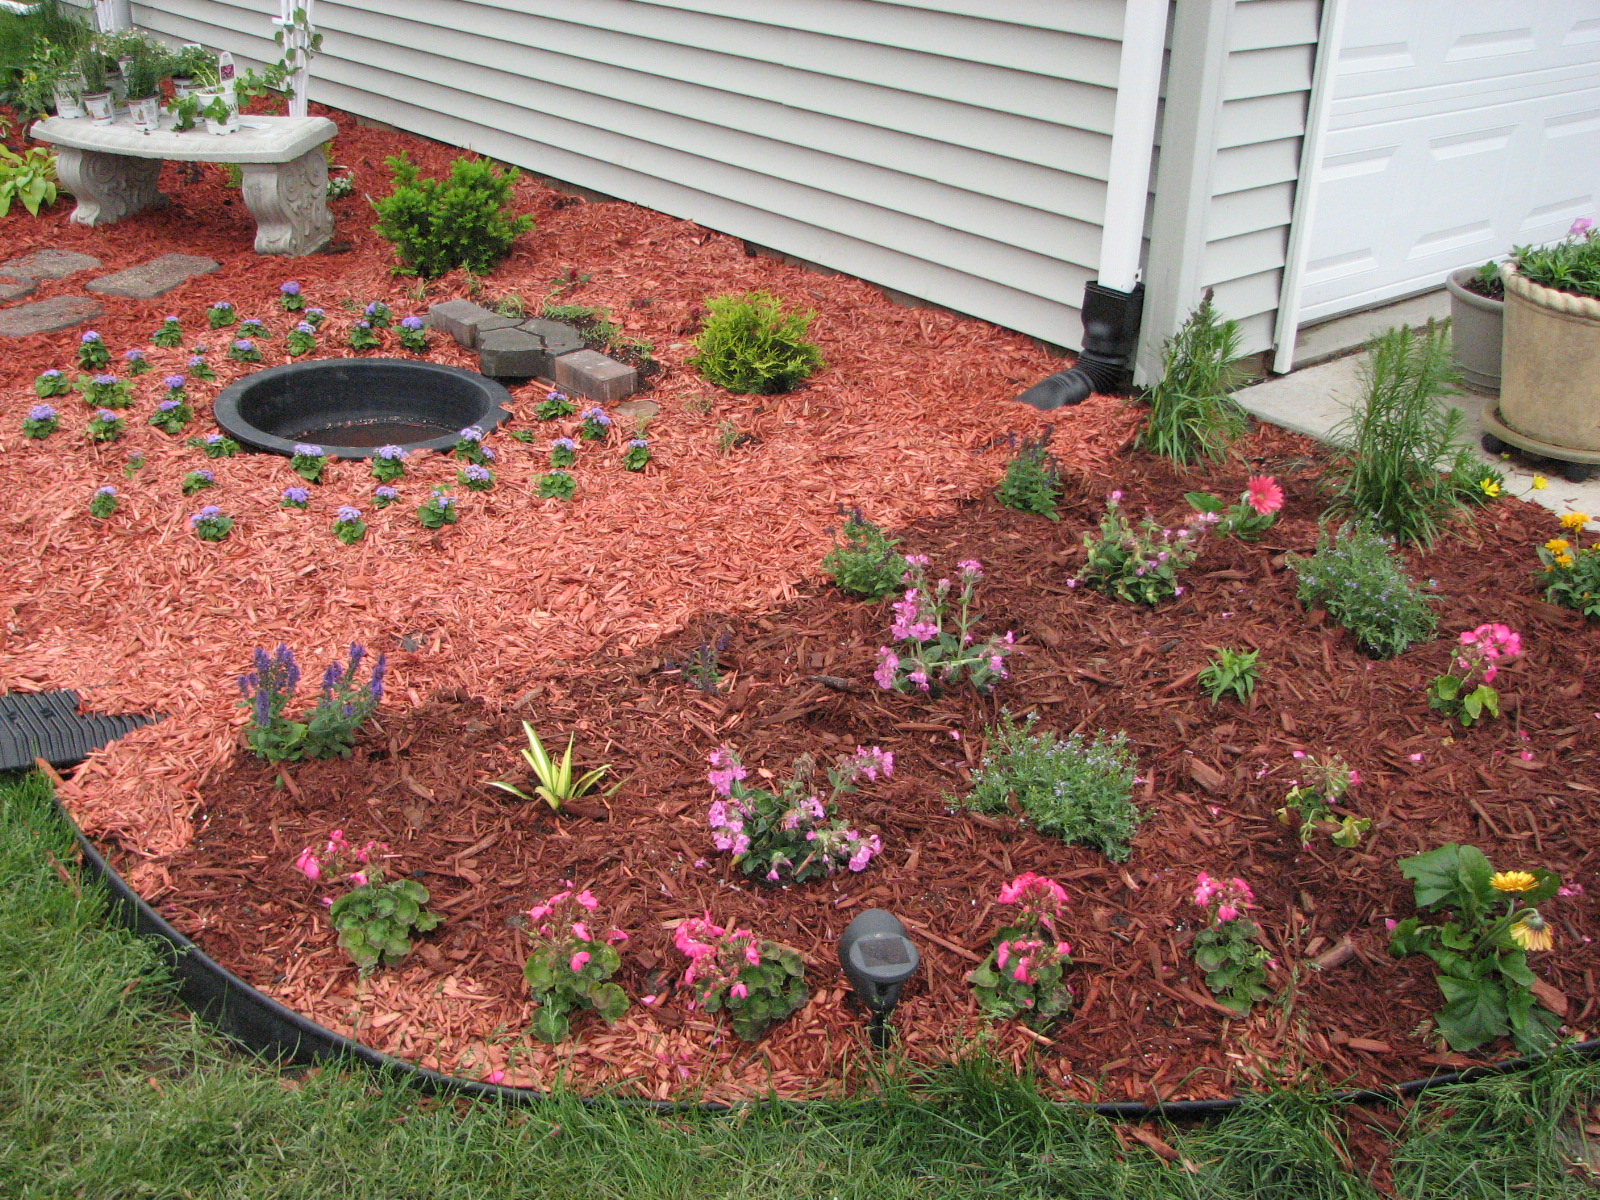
x: 863, y: 560
x: 1463, y: 692
x: 1227, y: 948
x: 1316, y: 798
x: 1488, y: 921
x: 792, y: 834
x: 1024, y: 975
x: 571, y: 964
x: 755, y: 982
x: 1139, y: 563
x: 927, y: 653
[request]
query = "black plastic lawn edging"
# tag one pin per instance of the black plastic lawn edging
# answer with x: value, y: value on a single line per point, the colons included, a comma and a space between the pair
x: 260, y: 1024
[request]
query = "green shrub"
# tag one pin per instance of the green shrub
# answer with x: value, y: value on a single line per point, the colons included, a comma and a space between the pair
x: 865, y: 562
x: 1031, y: 484
x: 752, y: 343
x: 1068, y: 788
x: 1192, y: 417
x: 437, y: 225
x: 1360, y: 582
x: 1402, y: 469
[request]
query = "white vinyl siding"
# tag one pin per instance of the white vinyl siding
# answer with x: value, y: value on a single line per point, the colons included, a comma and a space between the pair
x: 954, y: 156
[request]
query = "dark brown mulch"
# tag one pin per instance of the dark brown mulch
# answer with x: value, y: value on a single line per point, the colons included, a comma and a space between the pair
x: 798, y: 680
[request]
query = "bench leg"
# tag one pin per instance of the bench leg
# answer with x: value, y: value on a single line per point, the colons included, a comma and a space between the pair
x: 108, y: 186
x: 290, y: 204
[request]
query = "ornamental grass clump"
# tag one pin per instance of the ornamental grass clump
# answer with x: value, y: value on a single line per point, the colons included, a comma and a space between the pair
x: 792, y: 835
x: 1481, y: 948
x: 1072, y: 788
x: 927, y: 655
x: 1401, y: 469
x: 1359, y: 580
x: 1192, y: 416
x: 1139, y: 563
x: 1316, y: 799
x: 752, y: 343
x: 1024, y: 975
x: 1032, y: 482
x: 863, y: 560
x: 1571, y: 575
x: 1463, y: 692
x: 41, y: 422
x: 558, y: 783
x: 756, y: 982
x: 329, y: 729
x: 1227, y: 949
x: 571, y: 964
x: 1256, y: 512
x: 464, y: 220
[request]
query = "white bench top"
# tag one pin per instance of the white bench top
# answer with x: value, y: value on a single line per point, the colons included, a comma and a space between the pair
x: 257, y: 140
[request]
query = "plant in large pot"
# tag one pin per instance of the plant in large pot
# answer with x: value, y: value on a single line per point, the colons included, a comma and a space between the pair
x: 1550, y: 382
x: 1477, y: 322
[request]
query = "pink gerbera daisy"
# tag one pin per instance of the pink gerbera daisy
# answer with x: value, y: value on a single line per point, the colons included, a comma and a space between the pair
x: 1263, y: 494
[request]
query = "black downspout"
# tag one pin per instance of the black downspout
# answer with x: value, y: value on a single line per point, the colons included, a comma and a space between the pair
x: 1110, y: 340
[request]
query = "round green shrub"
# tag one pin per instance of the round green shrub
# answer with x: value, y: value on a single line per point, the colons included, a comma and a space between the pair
x: 752, y: 343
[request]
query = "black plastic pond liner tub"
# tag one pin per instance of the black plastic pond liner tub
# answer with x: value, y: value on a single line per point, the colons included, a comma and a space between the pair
x: 259, y: 1023
x: 351, y: 406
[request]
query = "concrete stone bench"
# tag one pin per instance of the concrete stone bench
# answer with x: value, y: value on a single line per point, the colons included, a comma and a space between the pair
x: 112, y: 170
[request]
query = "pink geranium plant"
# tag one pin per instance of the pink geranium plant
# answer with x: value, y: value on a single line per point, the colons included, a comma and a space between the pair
x: 375, y: 919
x: 932, y: 631
x: 756, y: 982
x: 571, y: 964
x: 792, y: 834
x: 1464, y: 692
x: 1247, y: 520
x: 1024, y: 973
x: 1227, y: 949
x: 1314, y: 796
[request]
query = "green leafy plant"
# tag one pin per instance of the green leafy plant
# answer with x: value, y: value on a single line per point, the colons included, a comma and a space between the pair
x: 1481, y: 948
x: 1401, y: 468
x: 1139, y: 563
x: 1358, y: 579
x: 1571, y: 575
x: 553, y: 407
x: 438, y: 511
x: 197, y: 481
x: 570, y: 966
x: 41, y: 422
x: 462, y: 221
x: 1227, y: 949
x: 863, y: 560
x: 1071, y: 788
x: 348, y: 526
x: 1232, y: 672
x: 1468, y: 697
x: 308, y: 462
x: 51, y: 383
x: 1256, y: 512
x: 637, y: 455
x: 92, y: 352
x: 29, y: 177
x: 927, y: 654
x: 1032, y: 482
x: 105, y: 391
x: 1024, y: 975
x: 594, y: 324
x: 1486, y: 281
x: 375, y: 920
x: 753, y: 343
x: 211, y: 524
x: 329, y: 730
x: 558, y: 783
x: 1192, y: 417
x: 169, y: 336
x: 756, y: 982
x: 214, y: 445
x: 103, y: 503
x: 557, y: 485
x: 1316, y: 796
x: 1571, y: 265
x: 105, y: 426
x: 364, y: 337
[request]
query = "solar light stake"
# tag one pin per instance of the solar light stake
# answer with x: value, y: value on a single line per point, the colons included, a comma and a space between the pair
x: 878, y: 958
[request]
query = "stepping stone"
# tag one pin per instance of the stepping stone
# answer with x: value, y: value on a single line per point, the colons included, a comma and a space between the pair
x: 49, y: 263
x: 464, y: 321
x: 638, y: 410
x: 154, y: 278
x: 592, y: 374
x: 16, y: 289
x: 509, y: 354
x: 48, y: 316
x: 558, y: 338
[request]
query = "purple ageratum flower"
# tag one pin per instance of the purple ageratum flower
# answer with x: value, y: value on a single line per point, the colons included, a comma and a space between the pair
x: 167, y: 406
x: 105, y: 414
x: 170, y: 318
x: 108, y: 490
x: 305, y: 327
x: 383, y: 493
x: 563, y: 444
x: 475, y: 474
x: 297, y: 495
x: 205, y: 514
x: 375, y: 307
x: 638, y: 444
x: 222, y: 304
x: 411, y: 323
x: 174, y: 382
x: 390, y: 453
x: 442, y: 500
x: 471, y: 434
x: 133, y: 355
x: 488, y: 453
x: 597, y: 415
x: 307, y: 450
x: 289, y: 289
x: 90, y: 336
x: 196, y: 360
x: 348, y: 513
x: 363, y: 324
x: 243, y: 344
x: 213, y: 439
x: 105, y: 380
x: 205, y: 475
x: 316, y: 312
x: 41, y: 412
x: 50, y: 374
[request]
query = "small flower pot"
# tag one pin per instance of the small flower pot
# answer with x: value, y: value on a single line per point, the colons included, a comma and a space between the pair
x: 146, y: 113
x: 1477, y: 325
x: 182, y: 87
x: 218, y: 128
x: 68, y: 104
x: 99, y: 108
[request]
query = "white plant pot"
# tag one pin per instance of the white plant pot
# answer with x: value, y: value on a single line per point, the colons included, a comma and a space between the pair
x: 68, y: 104
x: 98, y: 105
x: 146, y: 113
x: 219, y: 128
x: 182, y: 87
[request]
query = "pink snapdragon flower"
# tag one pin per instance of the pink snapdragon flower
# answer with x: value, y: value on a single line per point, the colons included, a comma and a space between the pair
x: 738, y: 991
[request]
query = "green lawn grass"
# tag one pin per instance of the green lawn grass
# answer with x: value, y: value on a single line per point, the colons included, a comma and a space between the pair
x: 108, y: 1090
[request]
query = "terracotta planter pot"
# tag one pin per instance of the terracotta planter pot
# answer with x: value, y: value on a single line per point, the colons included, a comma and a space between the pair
x: 1477, y: 326
x: 1550, y: 373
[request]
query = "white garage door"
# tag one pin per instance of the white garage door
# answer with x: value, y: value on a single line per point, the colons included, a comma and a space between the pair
x: 1457, y: 128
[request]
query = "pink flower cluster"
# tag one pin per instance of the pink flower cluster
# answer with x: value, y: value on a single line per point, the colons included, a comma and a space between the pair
x: 1021, y: 957
x: 716, y: 956
x: 337, y: 853
x: 913, y: 620
x: 577, y: 935
x: 726, y: 771
x: 1232, y: 899
x: 1034, y: 943
x: 1483, y: 647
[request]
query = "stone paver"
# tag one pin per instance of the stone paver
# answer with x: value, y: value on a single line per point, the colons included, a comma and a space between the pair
x: 465, y: 321
x: 154, y: 278
x: 47, y: 316
x: 48, y: 263
x: 509, y: 354
x: 592, y: 374
x: 638, y: 410
x: 16, y: 289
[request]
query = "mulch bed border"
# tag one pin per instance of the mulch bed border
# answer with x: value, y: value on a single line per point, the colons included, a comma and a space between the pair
x: 264, y: 1026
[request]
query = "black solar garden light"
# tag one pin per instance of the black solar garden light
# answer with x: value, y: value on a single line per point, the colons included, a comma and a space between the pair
x: 878, y: 958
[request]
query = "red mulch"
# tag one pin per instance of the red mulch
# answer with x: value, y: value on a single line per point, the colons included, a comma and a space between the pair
x: 565, y: 614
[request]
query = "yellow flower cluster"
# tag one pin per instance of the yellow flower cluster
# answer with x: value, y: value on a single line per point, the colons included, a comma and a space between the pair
x: 1489, y: 486
x: 1561, y: 548
x: 1574, y: 520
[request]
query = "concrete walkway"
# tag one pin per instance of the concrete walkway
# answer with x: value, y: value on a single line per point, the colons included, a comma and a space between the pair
x: 1314, y: 400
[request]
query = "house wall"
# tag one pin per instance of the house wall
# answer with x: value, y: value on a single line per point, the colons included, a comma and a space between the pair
x: 954, y: 156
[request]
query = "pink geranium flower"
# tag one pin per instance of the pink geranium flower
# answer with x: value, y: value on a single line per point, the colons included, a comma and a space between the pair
x: 307, y: 865
x: 1263, y: 494
x: 578, y: 961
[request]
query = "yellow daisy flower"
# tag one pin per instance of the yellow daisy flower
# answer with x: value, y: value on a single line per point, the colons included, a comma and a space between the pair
x: 1489, y: 486
x: 1540, y: 483
x: 1563, y: 560
x: 1558, y: 545
x: 1574, y: 520
x: 1514, y: 881
x: 1533, y: 933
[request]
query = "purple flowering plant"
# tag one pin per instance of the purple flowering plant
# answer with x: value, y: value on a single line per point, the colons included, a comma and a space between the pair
x: 596, y: 425
x: 211, y: 524
x: 105, y: 426
x: 388, y: 463
x: 439, y: 511
x: 289, y: 297
x: 1140, y: 563
x: 469, y: 445
x: 554, y: 406
x: 384, y: 496
x: 169, y: 336
x: 220, y: 315
x: 563, y: 452
x: 314, y: 317
x: 199, y: 368
x: 214, y: 445
x: 792, y: 834
x: 51, y: 383
x: 105, y: 391
x: 302, y: 339
x: 173, y: 412
x: 138, y: 364
x: 329, y: 729
x: 414, y: 334
x: 243, y: 350
x: 103, y: 503
x: 636, y: 455
x: 475, y: 478
x: 92, y: 352
x: 198, y: 481
x: 557, y: 485
x: 296, y: 497
x: 348, y: 526
x: 378, y: 315
x: 362, y: 336
x: 929, y: 655
x: 41, y: 422
x: 252, y: 328
x: 308, y: 461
